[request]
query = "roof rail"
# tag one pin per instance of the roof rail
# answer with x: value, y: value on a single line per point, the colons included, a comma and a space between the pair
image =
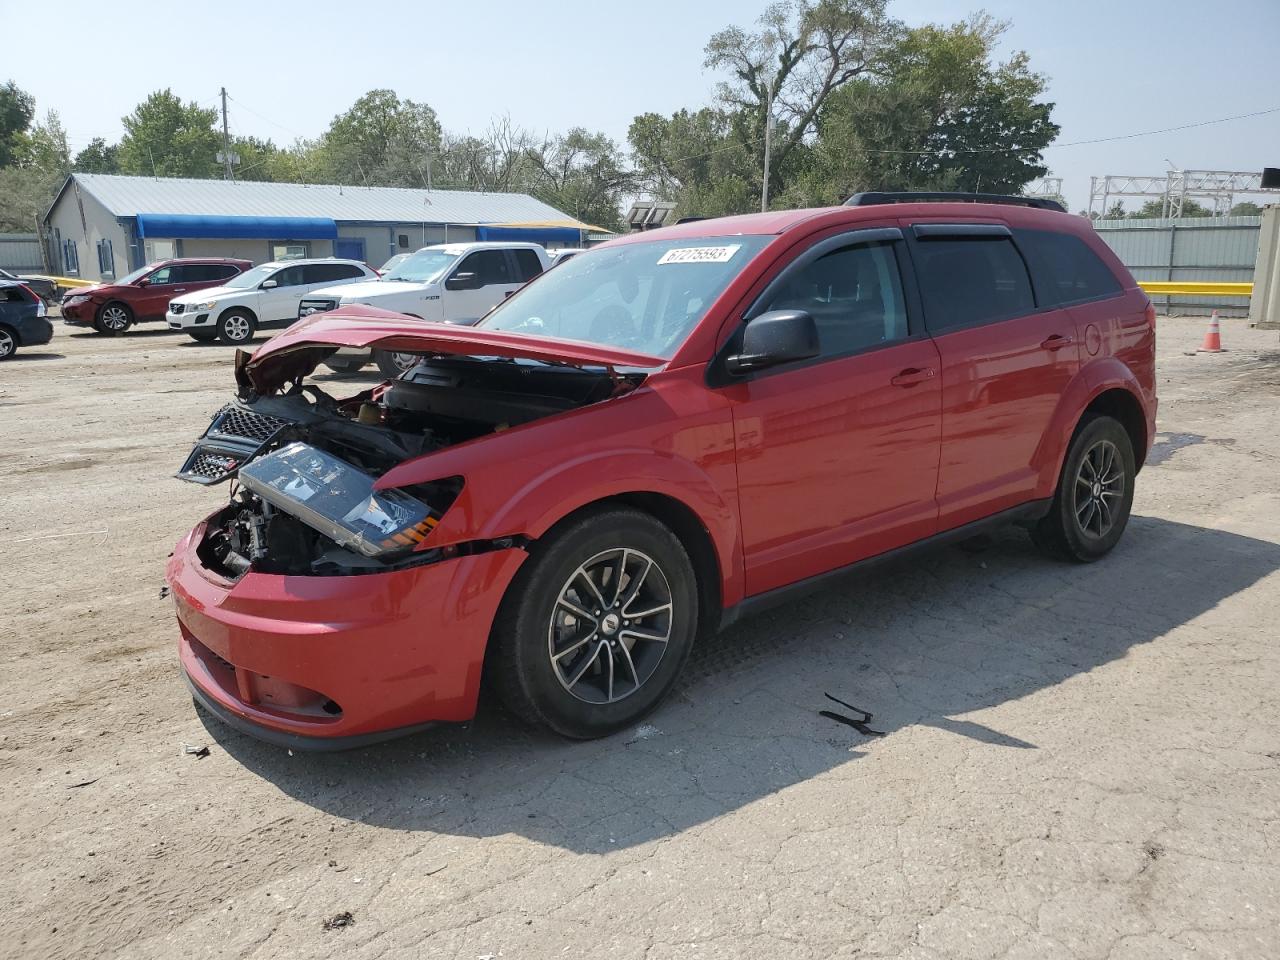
x: 875, y: 198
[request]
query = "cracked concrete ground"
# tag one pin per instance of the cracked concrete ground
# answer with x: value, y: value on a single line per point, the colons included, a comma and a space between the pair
x: 1077, y: 761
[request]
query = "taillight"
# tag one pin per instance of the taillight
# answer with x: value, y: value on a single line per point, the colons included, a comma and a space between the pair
x: 1151, y: 314
x: 39, y: 301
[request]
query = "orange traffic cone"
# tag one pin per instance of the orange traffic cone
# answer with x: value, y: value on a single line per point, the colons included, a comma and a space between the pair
x: 1212, y: 337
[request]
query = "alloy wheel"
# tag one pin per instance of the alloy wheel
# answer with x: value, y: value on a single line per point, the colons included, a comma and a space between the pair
x: 7, y: 345
x: 610, y: 626
x: 115, y: 318
x: 1099, y: 489
x: 236, y: 327
x: 405, y: 361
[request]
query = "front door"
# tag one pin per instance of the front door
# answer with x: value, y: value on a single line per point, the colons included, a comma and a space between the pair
x: 497, y: 280
x: 162, y: 286
x: 279, y: 304
x: 838, y: 456
x: 1005, y: 364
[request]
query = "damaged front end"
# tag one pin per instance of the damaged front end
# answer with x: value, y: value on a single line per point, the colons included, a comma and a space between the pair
x: 305, y: 465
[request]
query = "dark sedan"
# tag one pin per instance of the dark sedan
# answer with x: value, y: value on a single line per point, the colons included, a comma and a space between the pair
x: 23, y: 319
x: 43, y: 287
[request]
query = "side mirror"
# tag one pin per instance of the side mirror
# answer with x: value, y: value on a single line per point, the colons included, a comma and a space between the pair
x: 779, y: 336
x: 144, y: 282
x: 463, y: 281
x: 268, y: 285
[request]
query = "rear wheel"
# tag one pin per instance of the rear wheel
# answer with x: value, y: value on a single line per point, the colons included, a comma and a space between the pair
x: 8, y: 343
x: 113, y: 319
x: 597, y: 625
x: 394, y: 364
x: 236, y: 327
x: 1095, y: 494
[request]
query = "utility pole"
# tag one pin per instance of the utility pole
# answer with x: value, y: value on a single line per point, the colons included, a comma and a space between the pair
x: 768, y: 144
x: 226, y: 141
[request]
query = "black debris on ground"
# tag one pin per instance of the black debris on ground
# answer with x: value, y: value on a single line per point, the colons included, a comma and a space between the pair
x: 339, y: 921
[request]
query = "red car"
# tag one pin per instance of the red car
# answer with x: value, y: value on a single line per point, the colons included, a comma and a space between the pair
x: 661, y: 435
x: 114, y: 307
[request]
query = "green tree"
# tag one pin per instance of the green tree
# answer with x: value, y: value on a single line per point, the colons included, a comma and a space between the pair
x: 940, y: 116
x: 1245, y: 208
x: 697, y: 160
x: 97, y: 157
x: 1155, y: 209
x: 17, y: 108
x: 583, y: 174
x: 380, y: 140
x: 167, y: 138
x: 801, y: 53
x: 27, y: 187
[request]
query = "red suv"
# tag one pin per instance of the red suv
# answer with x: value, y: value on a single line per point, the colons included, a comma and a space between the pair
x: 666, y: 432
x: 114, y: 307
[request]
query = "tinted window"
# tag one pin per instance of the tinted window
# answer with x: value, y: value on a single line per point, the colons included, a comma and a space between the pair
x: 12, y: 295
x: 490, y: 266
x: 1066, y: 270
x: 290, y: 277
x: 332, y: 272
x: 203, y: 272
x: 854, y: 296
x: 528, y: 265
x: 971, y: 280
x: 222, y: 271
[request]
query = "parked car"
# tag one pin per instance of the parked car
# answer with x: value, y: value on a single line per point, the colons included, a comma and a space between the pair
x: 43, y: 287
x: 266, y: 296
x: 115, y: 306
x: 449, y: 282
x: 24, y: 322
x: 563, y: 255
x: 668, y: 432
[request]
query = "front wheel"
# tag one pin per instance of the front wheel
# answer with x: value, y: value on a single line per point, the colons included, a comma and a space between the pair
x: 113, y: 319
x: 236, y: 327
x: 597, y: 625
x: 1095, y: 494
x: 394, y: 364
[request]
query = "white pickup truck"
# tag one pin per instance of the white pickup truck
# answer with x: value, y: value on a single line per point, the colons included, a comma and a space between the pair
x: 444, y: 283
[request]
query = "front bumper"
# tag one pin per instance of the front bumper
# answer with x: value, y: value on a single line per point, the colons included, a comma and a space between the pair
x: 189, y: 321
x: 80, y: 314
x: 335, y: 662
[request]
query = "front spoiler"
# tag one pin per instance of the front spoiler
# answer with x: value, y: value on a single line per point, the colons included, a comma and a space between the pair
x: 294, y: 741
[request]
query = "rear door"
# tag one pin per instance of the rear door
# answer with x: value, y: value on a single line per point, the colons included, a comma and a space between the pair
x: 838, y: 456
x: 1005, y: 362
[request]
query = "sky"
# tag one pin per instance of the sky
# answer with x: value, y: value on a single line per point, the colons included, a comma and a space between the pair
x: 1115, y: 68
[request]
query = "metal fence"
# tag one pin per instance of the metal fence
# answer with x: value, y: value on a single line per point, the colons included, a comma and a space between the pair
x: 1189, y: 248
x: 20, y: 252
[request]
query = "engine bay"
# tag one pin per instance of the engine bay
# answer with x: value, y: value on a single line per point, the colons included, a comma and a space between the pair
x: 303, y: 463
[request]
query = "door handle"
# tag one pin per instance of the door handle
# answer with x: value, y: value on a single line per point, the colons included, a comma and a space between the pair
x: 1056, y: 342
x: 180, y: 290
x: 913, y: 375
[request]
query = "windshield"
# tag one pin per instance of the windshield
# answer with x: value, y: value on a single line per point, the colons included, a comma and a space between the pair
x: 423, y: 267
x: 637, y: 296
x: 251, y: 278
x: 138, y: 274
x: 394, y: 262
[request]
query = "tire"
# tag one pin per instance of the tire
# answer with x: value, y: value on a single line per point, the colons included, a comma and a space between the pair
x: 8, y: 344
x: 237, y: 327
x: 394, y: 364
x: 345, y: 367
x: 113, y: 318
x: 203, y: 336
x: 1091, y: 506
x: 550, y: 666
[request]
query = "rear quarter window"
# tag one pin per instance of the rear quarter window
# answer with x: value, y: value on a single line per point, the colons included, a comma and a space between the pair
x: 1066, y: 270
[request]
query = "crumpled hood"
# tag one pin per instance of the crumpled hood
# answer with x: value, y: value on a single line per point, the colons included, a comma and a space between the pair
x: 301, y: 348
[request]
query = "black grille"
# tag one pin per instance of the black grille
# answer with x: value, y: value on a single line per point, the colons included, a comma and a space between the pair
x: 210, y: 466
x: 235, y: 422
x: 175, y: 307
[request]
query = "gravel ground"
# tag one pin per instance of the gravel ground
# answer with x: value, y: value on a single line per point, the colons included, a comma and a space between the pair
x: 1076, y: 761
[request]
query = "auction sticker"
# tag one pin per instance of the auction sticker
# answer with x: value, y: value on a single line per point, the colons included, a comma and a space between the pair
x: 701, y: 254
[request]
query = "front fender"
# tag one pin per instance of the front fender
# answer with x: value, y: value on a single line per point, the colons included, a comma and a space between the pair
x: 1091, y: 381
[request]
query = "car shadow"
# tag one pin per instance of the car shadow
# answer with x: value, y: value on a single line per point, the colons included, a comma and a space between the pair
x: 920, y: 642
x: 26, y: 354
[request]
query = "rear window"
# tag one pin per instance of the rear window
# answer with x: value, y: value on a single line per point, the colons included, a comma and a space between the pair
x: 332, y: 272
x: 972, y: 280
x: 14, y: 295
x: 1066, y: 270
x: 527, y: 263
